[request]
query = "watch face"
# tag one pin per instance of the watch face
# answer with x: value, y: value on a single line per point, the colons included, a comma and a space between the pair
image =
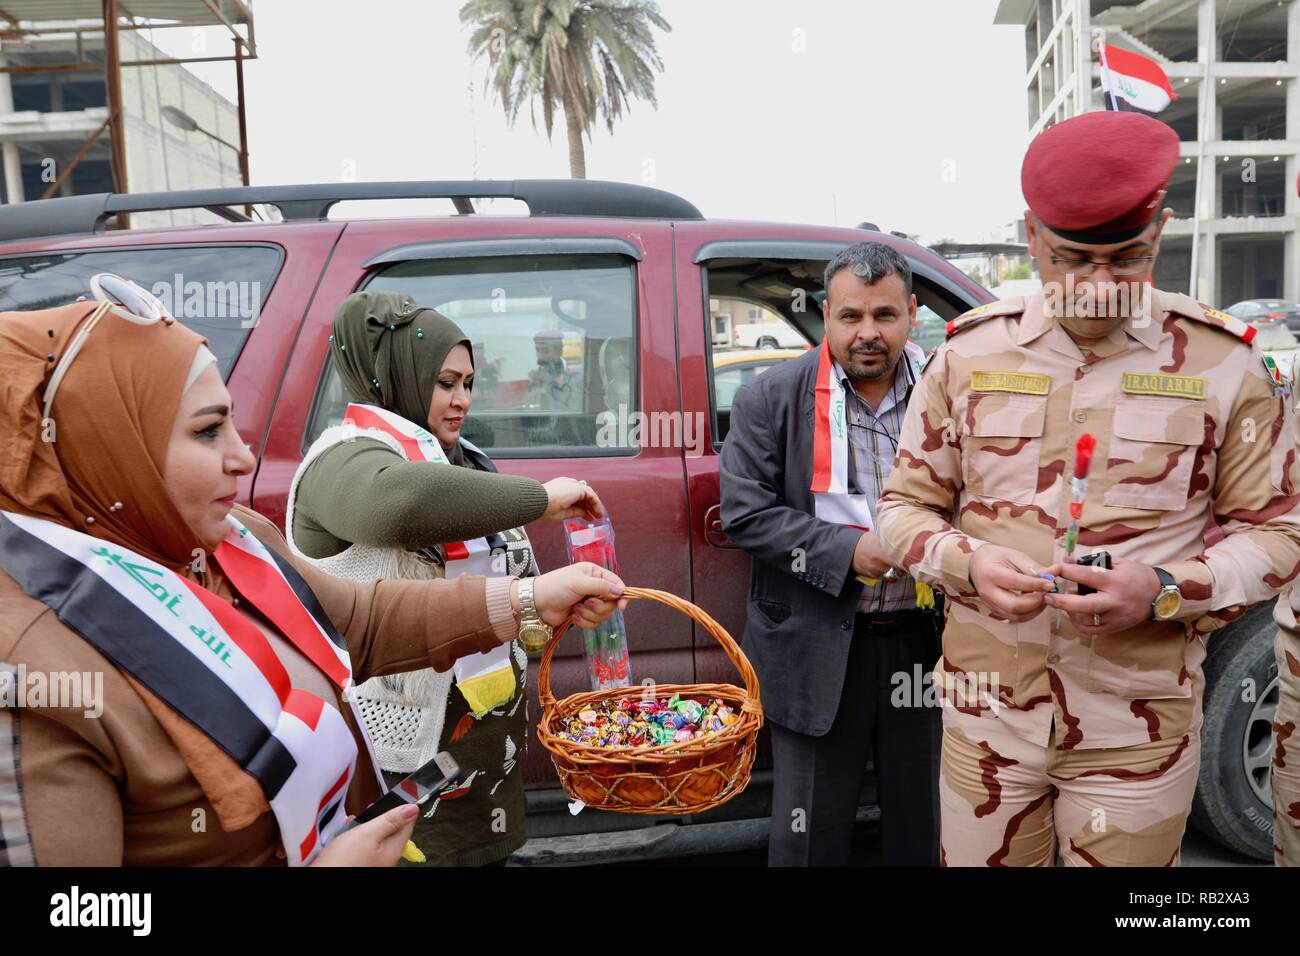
x: 1167, y: 604
x: 534, y: 637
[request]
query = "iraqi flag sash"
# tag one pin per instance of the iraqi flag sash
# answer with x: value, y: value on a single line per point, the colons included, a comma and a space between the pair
x: 207, y: 661
x: 834, y: 497
x: 487, y: 680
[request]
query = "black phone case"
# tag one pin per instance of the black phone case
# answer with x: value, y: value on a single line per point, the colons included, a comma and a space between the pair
x: 1098, y: 559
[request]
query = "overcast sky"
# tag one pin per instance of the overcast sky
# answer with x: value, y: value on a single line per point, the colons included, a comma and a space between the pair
x: 908, y: 113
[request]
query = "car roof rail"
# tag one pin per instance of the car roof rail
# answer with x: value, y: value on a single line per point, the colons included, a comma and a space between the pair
x: 71, y: 215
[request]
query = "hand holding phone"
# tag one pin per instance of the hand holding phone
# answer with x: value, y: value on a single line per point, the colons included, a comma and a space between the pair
x: 417, y: 788
x: 1098, y: 559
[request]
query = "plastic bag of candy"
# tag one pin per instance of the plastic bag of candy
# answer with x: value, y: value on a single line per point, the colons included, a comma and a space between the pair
x: 604, y: 647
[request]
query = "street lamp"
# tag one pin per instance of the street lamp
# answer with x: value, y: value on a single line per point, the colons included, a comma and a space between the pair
x: 183, y: 120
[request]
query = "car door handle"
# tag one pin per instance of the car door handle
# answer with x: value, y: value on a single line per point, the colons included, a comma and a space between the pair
x: 713, y: 533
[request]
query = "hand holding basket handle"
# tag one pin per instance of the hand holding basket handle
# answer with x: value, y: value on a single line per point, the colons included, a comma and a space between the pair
x: 583, y: 593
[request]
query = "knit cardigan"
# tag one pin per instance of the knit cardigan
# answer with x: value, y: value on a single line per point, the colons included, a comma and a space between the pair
x: 403, y: 713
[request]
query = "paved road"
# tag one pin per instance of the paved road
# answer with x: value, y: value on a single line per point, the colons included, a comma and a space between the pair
x: 1198, y: 850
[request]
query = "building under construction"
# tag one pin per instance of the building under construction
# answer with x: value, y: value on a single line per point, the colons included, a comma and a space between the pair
x: 89, y: 103
x: 1235, y: 67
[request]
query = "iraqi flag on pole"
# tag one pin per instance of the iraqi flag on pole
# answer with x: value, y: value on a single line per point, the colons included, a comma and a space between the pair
x: 1133, y: 82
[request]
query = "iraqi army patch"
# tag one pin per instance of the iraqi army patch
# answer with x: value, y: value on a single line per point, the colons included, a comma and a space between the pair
x: 1169, y: 386
x: 1022, y: 383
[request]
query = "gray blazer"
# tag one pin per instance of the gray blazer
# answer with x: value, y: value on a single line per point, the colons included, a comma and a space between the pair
x: 801, y: 603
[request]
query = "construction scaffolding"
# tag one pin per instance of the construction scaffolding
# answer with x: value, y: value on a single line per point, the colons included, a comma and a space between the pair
x: 68, y: 38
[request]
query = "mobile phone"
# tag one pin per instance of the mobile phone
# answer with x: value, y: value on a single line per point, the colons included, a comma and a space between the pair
x: 1098, y: 559
x: 417, y: 788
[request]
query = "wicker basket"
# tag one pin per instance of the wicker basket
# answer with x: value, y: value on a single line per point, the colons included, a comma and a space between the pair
x: 672, y: 779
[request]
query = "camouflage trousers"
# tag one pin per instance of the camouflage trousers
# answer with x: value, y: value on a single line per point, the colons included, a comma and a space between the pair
x: 1286, y: 754
x: 1007, y: 802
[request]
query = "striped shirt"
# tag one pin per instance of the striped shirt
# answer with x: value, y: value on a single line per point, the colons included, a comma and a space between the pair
x: 873, y: 443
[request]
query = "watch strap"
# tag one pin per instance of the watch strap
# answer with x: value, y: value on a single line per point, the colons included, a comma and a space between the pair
x: 527, y: 606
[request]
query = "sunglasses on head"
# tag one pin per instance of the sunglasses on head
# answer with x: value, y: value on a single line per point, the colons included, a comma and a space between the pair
x: 124, y: 299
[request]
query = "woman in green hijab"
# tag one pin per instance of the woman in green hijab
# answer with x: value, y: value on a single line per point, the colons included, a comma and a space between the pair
x: 396, y: 492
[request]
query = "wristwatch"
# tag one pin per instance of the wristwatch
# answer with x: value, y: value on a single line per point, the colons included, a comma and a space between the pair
x: 1169, y: 600
x: 534, y: 633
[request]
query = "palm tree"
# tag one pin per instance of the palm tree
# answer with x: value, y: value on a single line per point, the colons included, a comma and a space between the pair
x: 589, y: 58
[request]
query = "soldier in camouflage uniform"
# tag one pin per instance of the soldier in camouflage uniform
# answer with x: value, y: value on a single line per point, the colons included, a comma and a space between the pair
x: 1074, y: 720
x: 1286, y: 740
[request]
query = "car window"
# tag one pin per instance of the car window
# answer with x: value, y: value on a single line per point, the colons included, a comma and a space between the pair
x: 727, y: 381
x: 554, y: 349
x: 216, y: 290
x: 765, y: 309
x: 930, y: 329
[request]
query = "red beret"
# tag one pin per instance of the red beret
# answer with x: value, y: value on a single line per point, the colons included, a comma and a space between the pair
x: 1096, y: 178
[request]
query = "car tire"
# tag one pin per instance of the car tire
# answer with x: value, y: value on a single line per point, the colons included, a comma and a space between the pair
x: 1233, y: 804
x: 767, y: 343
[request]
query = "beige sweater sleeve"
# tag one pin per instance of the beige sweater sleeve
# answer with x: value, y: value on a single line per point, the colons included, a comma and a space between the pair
x: 391, y: 625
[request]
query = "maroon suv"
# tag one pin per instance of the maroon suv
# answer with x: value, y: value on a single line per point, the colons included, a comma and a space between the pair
x: 628, y: 277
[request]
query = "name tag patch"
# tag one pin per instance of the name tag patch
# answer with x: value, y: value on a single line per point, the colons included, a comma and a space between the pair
x: 1022, y: 383
x: 1155, y: 383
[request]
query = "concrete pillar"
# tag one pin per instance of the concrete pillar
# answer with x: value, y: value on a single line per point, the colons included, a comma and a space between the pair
x: 1291, y: 243
x: 1207, y: 264
x: 1082, y: 57
x: 13, y: 166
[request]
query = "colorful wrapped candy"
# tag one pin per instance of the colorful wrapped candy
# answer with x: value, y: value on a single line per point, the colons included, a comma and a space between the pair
x: 637, y: 723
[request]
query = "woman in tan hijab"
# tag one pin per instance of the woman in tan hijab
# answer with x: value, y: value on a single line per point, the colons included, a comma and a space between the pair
x: 221, y: 732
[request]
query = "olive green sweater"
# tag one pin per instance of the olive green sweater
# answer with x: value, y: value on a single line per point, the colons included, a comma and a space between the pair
x: 364, y: 492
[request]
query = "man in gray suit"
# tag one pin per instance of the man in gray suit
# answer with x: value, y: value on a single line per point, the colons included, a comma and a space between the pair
x: 833, y: 630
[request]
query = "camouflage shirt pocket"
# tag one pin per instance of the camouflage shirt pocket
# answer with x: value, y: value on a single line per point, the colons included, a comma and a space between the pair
x: 1003, y: 441
x: 1153, y: 444
x: 1147, y: 662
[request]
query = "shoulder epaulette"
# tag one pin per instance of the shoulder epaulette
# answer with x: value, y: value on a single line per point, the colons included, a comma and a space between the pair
x: 987, y: 311
x: 1189, y: 308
